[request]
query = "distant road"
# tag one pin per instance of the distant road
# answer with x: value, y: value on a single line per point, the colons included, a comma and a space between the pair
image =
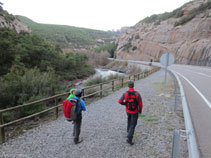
x: 196, y: 82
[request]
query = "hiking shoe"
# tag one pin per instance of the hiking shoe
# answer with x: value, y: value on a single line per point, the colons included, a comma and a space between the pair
x: 78, y: 141
x: 130, y: 142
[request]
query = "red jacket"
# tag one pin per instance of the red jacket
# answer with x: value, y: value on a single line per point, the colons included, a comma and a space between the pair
x: 138, y: 98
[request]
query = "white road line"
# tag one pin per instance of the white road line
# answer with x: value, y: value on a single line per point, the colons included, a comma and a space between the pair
x: 199, y: 73
x: 197, y: 68
x: 203, y: 97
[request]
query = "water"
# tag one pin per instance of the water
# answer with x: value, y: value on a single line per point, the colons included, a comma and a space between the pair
x: 105, y: 73
x: 99, y: 72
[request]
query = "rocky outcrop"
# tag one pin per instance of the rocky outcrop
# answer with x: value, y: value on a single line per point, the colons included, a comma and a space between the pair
x: 190, y: 43
x: 9, y: 21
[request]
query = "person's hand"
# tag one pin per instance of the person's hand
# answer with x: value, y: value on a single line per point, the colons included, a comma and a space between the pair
x: 124, y: 103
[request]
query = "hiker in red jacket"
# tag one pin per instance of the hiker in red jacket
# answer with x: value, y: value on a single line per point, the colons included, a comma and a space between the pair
x: 133, y: 103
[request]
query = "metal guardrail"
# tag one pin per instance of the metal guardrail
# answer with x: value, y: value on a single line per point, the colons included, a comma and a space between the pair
x: 119, y: 82
x: 191, y: 138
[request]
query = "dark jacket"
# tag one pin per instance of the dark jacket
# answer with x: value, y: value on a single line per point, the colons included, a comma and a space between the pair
x: 122, y: 101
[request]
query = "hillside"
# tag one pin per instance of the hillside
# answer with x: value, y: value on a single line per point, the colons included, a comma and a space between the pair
x: 9, y: 21
x: 69, y: 36
x: 185, y: 32
x: 31, y: 68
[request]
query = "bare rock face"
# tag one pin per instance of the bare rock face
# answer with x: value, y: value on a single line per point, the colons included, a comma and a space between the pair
x: 9, y: 21
x: 190, y: 43
x: 15, y: 24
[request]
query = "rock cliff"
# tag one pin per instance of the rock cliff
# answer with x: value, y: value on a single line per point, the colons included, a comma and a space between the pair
x: 186, y: 33
x: 9, y: 21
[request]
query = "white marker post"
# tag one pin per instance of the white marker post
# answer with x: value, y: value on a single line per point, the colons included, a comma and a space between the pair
x: 166, y: 60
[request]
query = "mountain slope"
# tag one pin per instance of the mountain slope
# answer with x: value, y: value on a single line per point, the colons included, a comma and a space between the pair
x: 69, y: 36
x: 185, y: 32
x: 9, y: 21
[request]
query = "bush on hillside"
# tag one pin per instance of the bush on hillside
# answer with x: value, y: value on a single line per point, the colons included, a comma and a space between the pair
x: 110, y: 48
x: 19, y: 87
x: 98, y: 58
x: 30, y: 69
x: 203, y: 7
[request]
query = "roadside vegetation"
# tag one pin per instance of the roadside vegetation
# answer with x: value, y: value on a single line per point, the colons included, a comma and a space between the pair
x: 32, y: 69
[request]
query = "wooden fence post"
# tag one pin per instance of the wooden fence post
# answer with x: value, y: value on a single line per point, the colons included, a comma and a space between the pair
x: 138, y: 76
x: 2, y: 132
x: 83, y: 94
x: 57, y: 109
x: 101, y: 88
x: 134, y: 77
x: 129, y: 77
x: 122, y: 82
x: 112, y: 85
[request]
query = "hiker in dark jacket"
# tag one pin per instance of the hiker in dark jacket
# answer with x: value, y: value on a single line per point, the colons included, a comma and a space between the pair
x: 133, y: 103
x: 77, y: 123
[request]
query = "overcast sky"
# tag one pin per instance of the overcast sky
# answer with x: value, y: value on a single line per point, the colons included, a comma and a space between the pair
x: 94, y: 14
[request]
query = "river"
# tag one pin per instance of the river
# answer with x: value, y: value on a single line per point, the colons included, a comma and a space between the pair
x: 99, y: 72
x: 105, y: 73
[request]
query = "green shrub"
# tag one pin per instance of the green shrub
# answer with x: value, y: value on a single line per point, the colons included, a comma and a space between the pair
x: 91, y: 91
x: 137, y: 37
x: 202, y: 8
x: 134, y: 48
x: 157, y: 18
x: 110, y: 48
x: 127, y: 46
x: 125, y: 63
x: 96, y: 80
x: 17, y: 87
x: 113, y: 76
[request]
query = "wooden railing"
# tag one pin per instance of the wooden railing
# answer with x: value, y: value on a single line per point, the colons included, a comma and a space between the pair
x: 110, y: 85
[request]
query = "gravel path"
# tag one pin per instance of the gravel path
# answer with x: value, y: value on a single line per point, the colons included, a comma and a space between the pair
x: 104, y: 129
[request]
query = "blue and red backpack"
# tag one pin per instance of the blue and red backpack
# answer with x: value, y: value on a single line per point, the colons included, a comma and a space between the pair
x: 69, y: 109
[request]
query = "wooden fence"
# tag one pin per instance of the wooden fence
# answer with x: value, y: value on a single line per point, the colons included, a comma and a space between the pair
x: 110, y: 85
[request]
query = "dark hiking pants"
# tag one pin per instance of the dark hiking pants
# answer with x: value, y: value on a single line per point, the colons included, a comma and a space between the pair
x: 77, y: 127
x: 131, y: 125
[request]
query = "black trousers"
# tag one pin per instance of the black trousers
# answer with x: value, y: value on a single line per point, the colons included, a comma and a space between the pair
x: 131, y: 124
x: 77, y: 127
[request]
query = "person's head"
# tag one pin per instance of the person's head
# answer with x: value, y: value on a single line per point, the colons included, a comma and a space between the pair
x: 78, y: 93
x: 72, y: 91
x: 130, y: 84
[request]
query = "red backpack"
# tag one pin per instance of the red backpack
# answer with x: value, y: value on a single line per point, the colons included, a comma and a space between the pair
x: 69, y: 109
x: 131, y: 101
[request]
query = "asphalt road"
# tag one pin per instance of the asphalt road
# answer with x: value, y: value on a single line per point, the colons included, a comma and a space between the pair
x: 196, y: 82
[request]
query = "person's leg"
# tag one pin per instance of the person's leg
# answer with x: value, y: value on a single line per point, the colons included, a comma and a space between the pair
x: 77, y: 128
x: 128, y: 121
x: 133, y: 123
x: 74, y: 127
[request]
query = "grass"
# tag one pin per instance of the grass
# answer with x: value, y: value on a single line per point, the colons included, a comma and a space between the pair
x: 169, y: 86
x: 141, y: 115
x: 151, y: 118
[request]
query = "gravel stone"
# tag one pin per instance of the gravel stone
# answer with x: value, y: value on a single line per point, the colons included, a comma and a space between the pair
x: 104, y: 129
